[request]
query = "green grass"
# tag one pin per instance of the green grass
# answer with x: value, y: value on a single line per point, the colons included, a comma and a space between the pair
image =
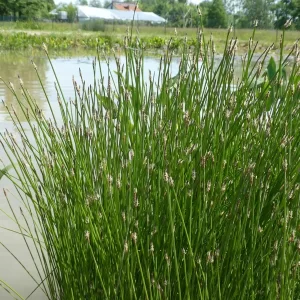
x: 76, y: 37
x: 182, y: 187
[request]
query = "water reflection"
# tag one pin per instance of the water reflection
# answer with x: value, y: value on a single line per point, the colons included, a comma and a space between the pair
x: 12, y: 66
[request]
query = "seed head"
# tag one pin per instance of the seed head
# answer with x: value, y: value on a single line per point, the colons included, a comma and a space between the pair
x: 171, y: 181
x: 87, y: 236
x: 134, y: 237
x: 199, y: 11
x: 151, y: 248
x: 227, y: 114
x: 285, y: 165
x: 125, y: 247
x: 131, y: 154
x: 166, y: 176
x: 288, y: 23
x: 167, y: 259
x: 223, y: 188
x: 136, y: 202
x: 45, y: 48
x: 21, y: 81
x: 12, y: 86
x: 34, y: 65
x: 210, y: 257
x: 292, y: 237
x: 118, y: 183
x: 298, y: 245
x: 123, y: 216
x: 186, y: 118
x: 208, y: 186
x: 109, y: 179
x: 193, y: 174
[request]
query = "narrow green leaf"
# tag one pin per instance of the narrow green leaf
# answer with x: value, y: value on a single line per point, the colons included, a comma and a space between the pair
x: 271, y: 69
x: 4, y: 171
x: 108, y: 104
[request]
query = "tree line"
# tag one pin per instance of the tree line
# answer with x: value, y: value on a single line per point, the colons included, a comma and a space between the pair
x: 26, y: 9
x: 214, y: 13
x: 221, y: 13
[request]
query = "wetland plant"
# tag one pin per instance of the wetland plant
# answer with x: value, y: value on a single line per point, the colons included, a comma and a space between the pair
x: 148, y: 186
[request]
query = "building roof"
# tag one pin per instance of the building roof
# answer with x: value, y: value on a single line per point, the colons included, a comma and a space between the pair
x: 87, y: 12
x: 125, y: 6
x: 138, y: 16
x: 54, y: 12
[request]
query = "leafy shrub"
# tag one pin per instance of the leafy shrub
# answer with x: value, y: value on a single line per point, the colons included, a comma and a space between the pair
x: 31, y: 25
x: 93, y: 25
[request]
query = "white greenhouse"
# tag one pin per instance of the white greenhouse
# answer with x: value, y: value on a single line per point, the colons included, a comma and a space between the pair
x: 87, y: 13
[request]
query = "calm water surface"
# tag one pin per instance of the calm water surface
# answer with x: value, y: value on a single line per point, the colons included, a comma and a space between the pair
x: 10, y: 67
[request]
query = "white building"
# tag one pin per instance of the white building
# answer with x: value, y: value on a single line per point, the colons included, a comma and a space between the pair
x: 88, y: 13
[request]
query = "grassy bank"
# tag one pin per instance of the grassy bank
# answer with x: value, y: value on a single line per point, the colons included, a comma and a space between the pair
x: 65, y: 36
x: 161, y: 187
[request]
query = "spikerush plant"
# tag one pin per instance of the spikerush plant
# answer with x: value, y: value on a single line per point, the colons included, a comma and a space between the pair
x: 161, y: 187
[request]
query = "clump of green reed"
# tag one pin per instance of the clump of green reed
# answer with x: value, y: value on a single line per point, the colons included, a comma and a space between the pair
x: 161, y: 187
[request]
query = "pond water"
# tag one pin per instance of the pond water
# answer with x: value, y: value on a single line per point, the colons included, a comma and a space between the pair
x: 12, y: 66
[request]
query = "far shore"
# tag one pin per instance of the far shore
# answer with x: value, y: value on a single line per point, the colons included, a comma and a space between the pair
x: 67, y: 37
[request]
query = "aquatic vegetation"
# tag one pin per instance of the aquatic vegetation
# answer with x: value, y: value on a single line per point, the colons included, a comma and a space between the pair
x: 23, y: 41
x: 148, y: 186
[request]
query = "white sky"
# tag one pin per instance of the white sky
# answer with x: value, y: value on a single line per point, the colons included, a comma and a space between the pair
x: 73, y: 1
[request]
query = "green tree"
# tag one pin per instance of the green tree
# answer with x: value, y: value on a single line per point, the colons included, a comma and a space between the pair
x: 27, y: 9
x: 4, y: 10
x: 72, y: 12
x: 82, y: 2
x: 283, y: 11
x: 216, y: 15
x: 161, y: 9
x: 259, y: 10
x: 50, y: 5
x: 95, y: 3
x: 204, y: 7
x: 296, y: 13
x: 33, y: 9
x: 177, y: 14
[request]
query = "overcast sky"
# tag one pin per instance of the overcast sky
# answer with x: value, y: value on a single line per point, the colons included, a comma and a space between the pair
x: 73, y: 1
